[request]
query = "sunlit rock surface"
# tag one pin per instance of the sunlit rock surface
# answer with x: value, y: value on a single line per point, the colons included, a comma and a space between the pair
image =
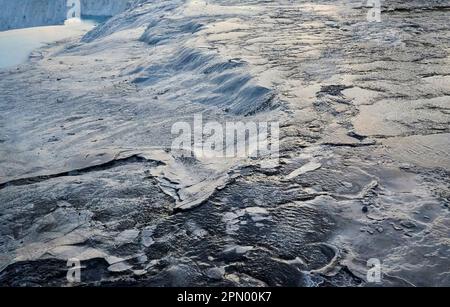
x: 86, y: 171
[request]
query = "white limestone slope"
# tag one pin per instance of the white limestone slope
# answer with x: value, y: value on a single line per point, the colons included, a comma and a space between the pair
x: 86, y: 165
x: 103, y: 7
x: 31, y: 13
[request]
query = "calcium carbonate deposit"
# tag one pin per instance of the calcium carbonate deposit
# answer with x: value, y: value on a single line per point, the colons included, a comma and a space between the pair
x: 87, y: 171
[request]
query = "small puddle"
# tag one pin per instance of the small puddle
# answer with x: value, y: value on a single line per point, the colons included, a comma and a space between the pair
x: 16, y: 45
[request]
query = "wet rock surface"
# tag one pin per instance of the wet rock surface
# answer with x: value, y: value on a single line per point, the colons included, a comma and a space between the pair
x: 85, y: 170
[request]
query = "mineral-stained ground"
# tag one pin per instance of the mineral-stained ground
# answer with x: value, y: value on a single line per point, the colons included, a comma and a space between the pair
x: 364, y: 109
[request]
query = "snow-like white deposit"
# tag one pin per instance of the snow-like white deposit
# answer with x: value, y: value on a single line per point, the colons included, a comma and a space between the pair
x: 31, y: 13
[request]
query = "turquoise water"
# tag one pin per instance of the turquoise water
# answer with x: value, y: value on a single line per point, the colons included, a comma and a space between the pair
x: 16, y: 45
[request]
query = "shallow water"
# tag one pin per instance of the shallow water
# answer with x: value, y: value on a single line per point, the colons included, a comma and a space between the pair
x: 16, y: 45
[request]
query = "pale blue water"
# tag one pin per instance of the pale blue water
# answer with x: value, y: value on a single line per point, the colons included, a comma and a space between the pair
x: 16, y: 45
